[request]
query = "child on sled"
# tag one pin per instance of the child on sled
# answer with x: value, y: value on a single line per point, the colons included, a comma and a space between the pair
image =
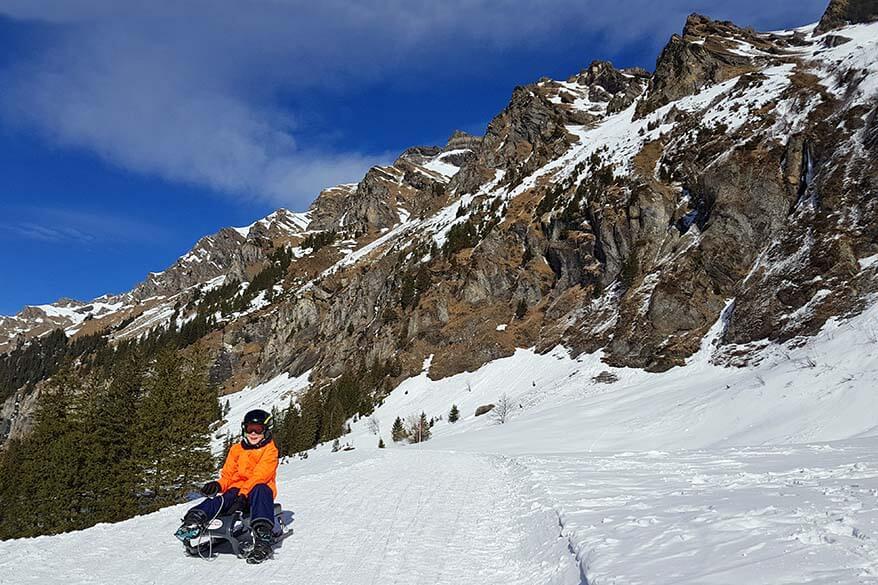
x: 247, y: 482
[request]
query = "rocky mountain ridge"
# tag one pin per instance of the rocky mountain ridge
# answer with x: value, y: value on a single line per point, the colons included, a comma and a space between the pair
x: 616, y: 211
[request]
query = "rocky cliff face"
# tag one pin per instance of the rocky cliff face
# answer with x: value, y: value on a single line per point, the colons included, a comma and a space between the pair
x: 844, y: 12
x: 616, y: 210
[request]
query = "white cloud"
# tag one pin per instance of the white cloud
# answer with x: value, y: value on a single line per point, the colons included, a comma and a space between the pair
x: 188, y: 90
x: 74, y: 226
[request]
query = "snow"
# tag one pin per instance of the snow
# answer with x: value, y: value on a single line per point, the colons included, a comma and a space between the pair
x: 868, y: 262
x: 213, y: 283
x: 197, y: 255
x: 861, y: 53
x: 807, y: 310
x: 276, y: 392
x: 149, y: 319
x: 418, y: 527
x: 443, y: 167
x: 75, y: 314
x: 781, y: 514
x: 580, y: 93
x: 259, y: 301
x: 293, y: 223
x: 403, y: 214
x: 701, y: 474
x: 72, y: 315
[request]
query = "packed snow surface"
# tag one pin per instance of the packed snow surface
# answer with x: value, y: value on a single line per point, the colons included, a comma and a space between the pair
x: 702, y: 474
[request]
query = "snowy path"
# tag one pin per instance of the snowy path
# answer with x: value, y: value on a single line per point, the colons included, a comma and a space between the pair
x: 754, y: 515
x: 757, y: 515
x: 400, y: 516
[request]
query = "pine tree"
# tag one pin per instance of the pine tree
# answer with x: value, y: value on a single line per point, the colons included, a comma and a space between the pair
x: 333, y: 420
x: 227, y: 445
x: 398, y: 432
x: 46, y: 494
x: 453, y: 414
x: 285, y: 436
x: 158, y: 427
x: 198, y: 407
x: 12, y: 478
x: 110, y: 469
x: 307, y: 431
x: 423, y: 429
x: 381, y: 443
x: 173, y: 444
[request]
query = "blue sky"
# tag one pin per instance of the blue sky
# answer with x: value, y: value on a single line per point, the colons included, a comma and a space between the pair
x: 129, y: 130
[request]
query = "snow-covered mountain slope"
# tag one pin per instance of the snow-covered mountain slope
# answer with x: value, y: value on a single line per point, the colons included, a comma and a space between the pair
x: 702, y: 474
x: 669, y: 278
x: 226, y: 254
x: 602, y: 208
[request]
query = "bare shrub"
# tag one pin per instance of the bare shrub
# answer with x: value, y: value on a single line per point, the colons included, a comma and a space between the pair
x: 373, y: 425
x: 502, y: 410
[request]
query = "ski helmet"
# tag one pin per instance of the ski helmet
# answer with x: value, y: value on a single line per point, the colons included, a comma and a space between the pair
x: 258, y: 417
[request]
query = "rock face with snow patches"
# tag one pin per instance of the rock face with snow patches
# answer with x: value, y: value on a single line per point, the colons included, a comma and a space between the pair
x: 844, y: 12
x: 616, y: 210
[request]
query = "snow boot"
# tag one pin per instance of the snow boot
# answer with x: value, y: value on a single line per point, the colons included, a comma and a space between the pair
x: 262, y: 541
x: 193, y: 525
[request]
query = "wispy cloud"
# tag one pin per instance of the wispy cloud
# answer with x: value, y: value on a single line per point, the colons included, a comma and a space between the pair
x: 44, y: 233
x: 189, y: 90
x: 65, y: 226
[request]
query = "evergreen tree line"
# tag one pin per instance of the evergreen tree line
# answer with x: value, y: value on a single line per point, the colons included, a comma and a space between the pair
x: 110, y: 443
x: 468, y: 234
x: 321, y: 415
x: 229, y: 298
x: 41, y: 357
x: 318, y: 240
x: 415, y: 429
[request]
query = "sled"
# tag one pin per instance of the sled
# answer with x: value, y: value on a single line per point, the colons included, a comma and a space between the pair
x: 231, y: 533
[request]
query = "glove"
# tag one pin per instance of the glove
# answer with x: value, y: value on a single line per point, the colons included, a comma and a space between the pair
x: 211, y: 489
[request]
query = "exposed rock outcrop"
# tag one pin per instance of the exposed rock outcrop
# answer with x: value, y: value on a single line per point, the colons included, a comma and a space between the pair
x: 842, y: 12
x: 613, y: 210
x: 704, y: 55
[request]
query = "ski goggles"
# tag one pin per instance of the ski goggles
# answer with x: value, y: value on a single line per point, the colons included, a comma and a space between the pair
x: 255, y: 428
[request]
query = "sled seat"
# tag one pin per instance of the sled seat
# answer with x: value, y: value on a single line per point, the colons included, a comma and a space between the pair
x: 233, y: 530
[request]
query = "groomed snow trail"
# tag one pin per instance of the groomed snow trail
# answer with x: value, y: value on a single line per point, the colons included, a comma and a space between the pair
x: 399, y: 516
x: 751, y: 515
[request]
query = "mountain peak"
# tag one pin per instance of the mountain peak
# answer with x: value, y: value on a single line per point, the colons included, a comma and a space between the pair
x: 460, y: 139
x: 708, y: 52
x: 840, y: 13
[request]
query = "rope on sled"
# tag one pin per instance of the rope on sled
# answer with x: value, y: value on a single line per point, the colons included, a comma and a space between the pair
x: 209, y: 556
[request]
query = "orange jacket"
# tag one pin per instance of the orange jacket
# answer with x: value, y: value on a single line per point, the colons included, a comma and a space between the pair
x: 244, y: 468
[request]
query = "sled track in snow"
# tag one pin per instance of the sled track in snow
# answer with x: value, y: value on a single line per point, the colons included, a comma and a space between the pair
x: 398, y: 517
